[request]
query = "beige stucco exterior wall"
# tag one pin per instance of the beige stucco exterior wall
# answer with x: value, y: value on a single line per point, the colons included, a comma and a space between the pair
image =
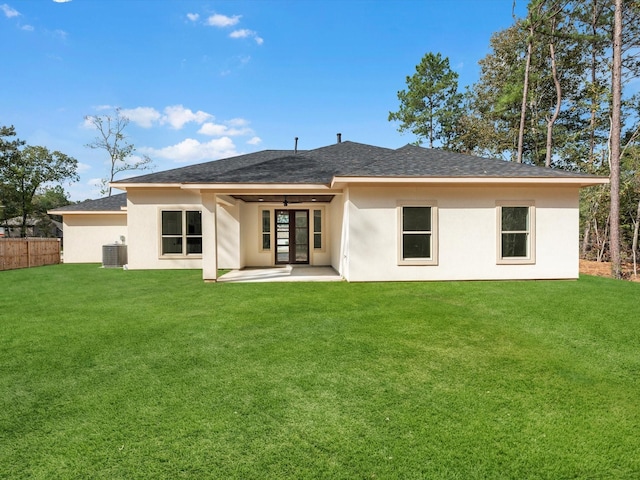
x: 360, y: 232
x: 144, y: 221
x: 467, y: 233
x: 85, y: 234
x: 335, y: 221
x: 228, y: 235
x: 251, y: 254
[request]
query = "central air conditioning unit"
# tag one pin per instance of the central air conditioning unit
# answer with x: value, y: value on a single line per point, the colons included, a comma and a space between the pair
x: 114, y: 255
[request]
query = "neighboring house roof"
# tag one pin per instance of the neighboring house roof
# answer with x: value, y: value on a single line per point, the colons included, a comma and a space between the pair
x: 36, y: 226
x: 112, y: 204
x: 17, y: 222
x: 322, y: 166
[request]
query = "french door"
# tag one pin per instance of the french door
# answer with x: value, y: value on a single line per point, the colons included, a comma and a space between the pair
x: 292, y: 236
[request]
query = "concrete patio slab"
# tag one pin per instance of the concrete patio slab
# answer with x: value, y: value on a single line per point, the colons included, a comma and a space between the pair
x: 286, y: 273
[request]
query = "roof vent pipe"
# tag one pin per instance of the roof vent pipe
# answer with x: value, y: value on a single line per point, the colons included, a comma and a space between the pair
x: 295, y: 149
x: 339, y: 138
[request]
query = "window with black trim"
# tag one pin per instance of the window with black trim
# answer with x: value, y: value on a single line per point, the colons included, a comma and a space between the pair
x: 181, y: 232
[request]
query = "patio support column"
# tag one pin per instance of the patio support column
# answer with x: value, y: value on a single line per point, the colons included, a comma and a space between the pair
x: 209, y: 238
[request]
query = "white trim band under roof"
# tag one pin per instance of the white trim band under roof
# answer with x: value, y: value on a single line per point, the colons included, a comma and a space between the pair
x: 124, y: 186
x: 226, y: 187
x: 87, y: 212
x: 582, y: 181
x: 231, y: 187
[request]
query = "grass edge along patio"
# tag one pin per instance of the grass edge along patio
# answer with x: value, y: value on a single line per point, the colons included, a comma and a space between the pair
x: 370, y: 213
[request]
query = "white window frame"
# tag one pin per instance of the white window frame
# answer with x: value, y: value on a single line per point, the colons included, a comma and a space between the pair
x: 530, y: 258
x: 183, y: 235
x: 262, y: 232
x: 321, y: 232
x: 433, y: 259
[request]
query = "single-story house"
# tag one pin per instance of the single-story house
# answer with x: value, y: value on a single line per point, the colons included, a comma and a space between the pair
x: 371, y: 213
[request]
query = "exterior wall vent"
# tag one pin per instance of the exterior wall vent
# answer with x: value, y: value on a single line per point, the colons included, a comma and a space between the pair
x: 114, y: 256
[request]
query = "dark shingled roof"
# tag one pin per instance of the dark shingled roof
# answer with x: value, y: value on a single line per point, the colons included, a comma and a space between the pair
x: 114, y: 203
x: 322, y: 165
x: 209, y: 171
x: 346, y: 159
x: 411, y: 160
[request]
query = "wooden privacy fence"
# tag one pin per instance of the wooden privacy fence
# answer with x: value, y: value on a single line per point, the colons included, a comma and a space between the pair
x: 28, y: 252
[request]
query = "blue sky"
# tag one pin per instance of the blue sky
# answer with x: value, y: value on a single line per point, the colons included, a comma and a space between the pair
x: 202, y: 80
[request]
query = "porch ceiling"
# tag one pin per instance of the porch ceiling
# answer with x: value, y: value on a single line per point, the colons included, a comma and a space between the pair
x: 285, y: 199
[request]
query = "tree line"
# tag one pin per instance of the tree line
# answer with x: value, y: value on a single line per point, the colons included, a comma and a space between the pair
x: 559, y: 88
x: 31, y: 176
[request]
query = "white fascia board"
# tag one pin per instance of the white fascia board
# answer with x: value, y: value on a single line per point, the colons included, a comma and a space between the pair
x: 124, y: 186
x: 254, y: 187
x: 88, y: 212
x: 341, y: 182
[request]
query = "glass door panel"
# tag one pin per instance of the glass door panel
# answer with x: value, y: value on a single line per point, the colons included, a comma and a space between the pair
x: 302, y: 236
x: 292, y: 236
x: 282, y: 236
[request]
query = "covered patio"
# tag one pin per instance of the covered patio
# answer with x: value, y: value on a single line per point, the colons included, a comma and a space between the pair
x: 285, y: 273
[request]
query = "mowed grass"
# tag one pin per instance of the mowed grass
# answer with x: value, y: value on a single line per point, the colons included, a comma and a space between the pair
x: 155, y: 374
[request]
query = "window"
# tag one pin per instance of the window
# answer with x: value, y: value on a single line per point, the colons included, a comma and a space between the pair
x: 181, y: 232
x: 515, y: 236
x: 265, y: 230
x: 418, y: 241
x: 317, y: 229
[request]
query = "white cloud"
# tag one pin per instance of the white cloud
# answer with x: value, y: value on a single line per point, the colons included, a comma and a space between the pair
x: 246, y: 33
x: 255, y: 141
x: 142, y: 116
x: 237, y: 122
x: 83, y: 167
x: 27, y: 28
x: 233, y: 128
x: 8, y: 11
x: 104, y: 107
x: 243, y: 33
x: 218, y: 20
x: 88, y: 122
x: 213, y: 130
x: 191, y: 150
x: 177, y: 116
x: 61, y: 1
x: 223, y: 21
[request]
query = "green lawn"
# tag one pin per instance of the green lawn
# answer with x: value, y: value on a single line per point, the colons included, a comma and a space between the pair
x: 127, y: 374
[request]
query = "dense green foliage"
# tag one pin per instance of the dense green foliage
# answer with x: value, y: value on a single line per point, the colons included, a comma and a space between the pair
x: 132, y: 374
x: 580, y: 33
x: 544, y: 97
x: 28, y: 177
x: 430, y: 106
